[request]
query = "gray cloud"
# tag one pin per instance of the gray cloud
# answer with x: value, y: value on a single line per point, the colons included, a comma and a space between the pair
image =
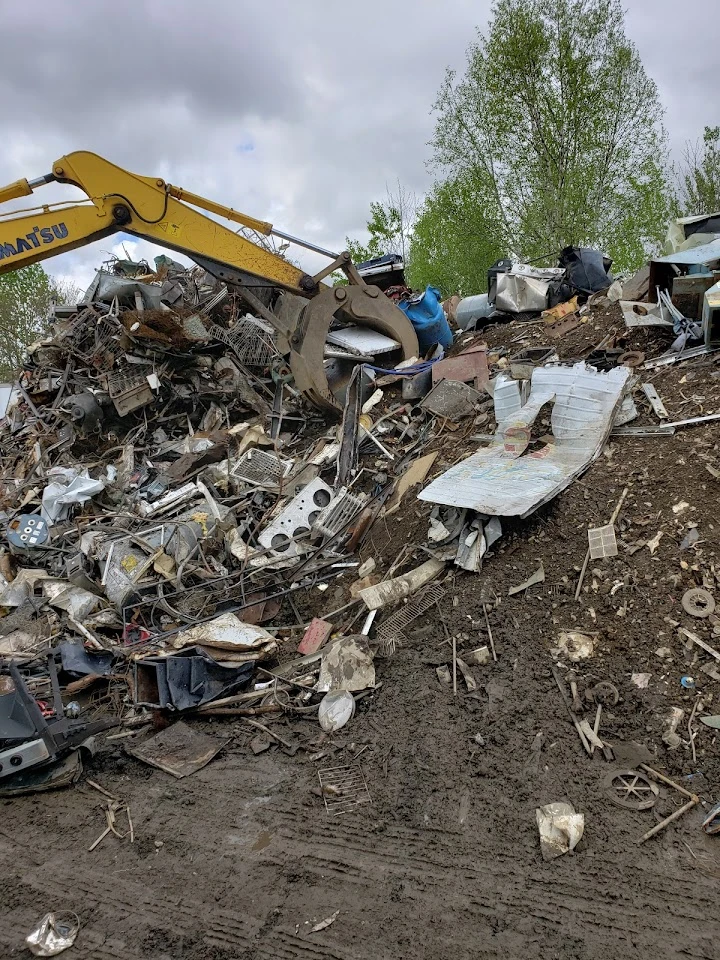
x: 299, y: 113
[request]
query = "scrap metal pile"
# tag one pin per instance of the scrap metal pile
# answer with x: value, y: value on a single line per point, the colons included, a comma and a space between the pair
x: 160, y: 475
x: 170, y: 500
x: 165, y: 491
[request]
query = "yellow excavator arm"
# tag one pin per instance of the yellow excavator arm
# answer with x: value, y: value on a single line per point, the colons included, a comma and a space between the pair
x: 145, y: 207
x: 120, y: 201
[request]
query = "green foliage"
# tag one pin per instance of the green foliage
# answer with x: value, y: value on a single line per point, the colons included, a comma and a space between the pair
x: 390, y: 227
x: 455, y: 238
x: 557, y: 129
x: 25, y: 297
x: 700, y: 176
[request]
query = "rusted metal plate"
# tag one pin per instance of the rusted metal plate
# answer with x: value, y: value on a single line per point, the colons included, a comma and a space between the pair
x: 179, y: 750
x: 315, y: 636
x: 561, y: 327
x: 470, y: 366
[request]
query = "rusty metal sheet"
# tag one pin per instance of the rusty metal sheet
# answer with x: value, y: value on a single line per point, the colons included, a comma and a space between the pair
x: 178, y: 750
x: 468, y: 366
x: 452, y: 400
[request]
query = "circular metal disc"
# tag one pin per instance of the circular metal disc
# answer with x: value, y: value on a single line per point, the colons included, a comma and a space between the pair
x: 698, y: 602
x: 631, y: 789
x: 631, y: 358
x: 605, y: 692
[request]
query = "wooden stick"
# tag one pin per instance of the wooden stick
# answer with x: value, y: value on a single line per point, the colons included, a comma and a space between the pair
x: 490, y: 636
x: 690, y: 729
x: 590, y: 735
x: 238, y: 711
x: 268, y: 731
x: 100, y: 839
x: 670, y: 783
x: 454, y: 646
x: 110, y: 814
x: 673, y: 816
x: 91, y: 783
x: 618, y: 508
x: 582, y: 573
x: 596, y: 725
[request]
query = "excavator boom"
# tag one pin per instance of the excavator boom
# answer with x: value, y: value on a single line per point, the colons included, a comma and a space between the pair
x: 120, y: 201
x: 145, y: 207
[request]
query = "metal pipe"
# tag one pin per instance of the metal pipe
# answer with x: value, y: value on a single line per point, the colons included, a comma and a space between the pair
x: 40, y: 181
x: 304, y: 243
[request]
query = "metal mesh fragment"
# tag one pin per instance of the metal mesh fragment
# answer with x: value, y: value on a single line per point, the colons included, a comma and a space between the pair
x: 393, y: 629
x: 338, y: 513
x: 262, y: 468
x: 602, y: 542
x: 343, y: 788
x: 252, y: 340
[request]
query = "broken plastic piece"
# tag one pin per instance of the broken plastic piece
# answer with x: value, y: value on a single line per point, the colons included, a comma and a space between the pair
x: 575, y: 646
x: 226, y: 632
x: 655, y: 401
x: 336, y: 709
x: 698, y: 602
x: 324, y: 924
x: 535, y: 578
x: 390, y: 591
x: 347, y: 664
x: 560, y: 828
x: 470, y: 682
x: 54, y: 933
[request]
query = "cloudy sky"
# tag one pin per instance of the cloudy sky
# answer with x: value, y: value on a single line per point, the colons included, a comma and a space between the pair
x: 295, y: 112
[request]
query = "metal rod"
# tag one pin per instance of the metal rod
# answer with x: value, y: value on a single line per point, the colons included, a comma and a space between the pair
x: 613, y: 518
x: 304, y: 243
x: 596, y: 725
x: 668, y: 820
x: 569, y: 709
x: 454, y: 649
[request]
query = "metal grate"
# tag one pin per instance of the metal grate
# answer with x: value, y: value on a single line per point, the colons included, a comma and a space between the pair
x: 338, y: 513
x: 129, y: 390
x: 343, y: 788
x: 252, y: 340
x: 393, y: 629
x: 602, y: 542
x: 107, y: 344
x: 261, y: 468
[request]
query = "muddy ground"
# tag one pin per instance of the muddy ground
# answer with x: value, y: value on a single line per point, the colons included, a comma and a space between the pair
x: 241, y: 860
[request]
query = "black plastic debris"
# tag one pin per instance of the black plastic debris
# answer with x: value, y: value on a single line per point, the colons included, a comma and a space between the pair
x: 586, y: 271
x: 77, y: 662
x: 186, y: 679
